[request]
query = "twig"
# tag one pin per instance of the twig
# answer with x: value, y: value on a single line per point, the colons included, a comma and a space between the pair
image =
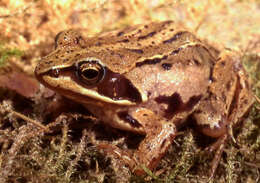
x: 36, y: 123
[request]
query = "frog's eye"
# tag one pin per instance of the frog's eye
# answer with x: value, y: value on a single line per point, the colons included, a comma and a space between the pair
x: 90, y: 71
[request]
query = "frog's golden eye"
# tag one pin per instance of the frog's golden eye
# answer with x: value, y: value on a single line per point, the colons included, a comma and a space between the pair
x: 90, y: 71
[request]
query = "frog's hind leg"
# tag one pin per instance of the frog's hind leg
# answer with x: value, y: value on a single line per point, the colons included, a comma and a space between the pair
x: 159, y: 136
x: 229, y: 100
x: 214, y: 124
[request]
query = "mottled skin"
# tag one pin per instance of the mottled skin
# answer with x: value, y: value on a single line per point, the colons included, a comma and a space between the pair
x: 148, y: 79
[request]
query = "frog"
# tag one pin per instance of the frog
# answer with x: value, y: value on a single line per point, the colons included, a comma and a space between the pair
x: 150, y: 79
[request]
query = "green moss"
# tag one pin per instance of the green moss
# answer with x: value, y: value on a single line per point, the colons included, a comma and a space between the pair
x: 186, y: 159
x: 6, y: 53
x: 251, y: 63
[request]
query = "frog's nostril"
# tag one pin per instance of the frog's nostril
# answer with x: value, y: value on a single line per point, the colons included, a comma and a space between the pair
x: 54, y: 73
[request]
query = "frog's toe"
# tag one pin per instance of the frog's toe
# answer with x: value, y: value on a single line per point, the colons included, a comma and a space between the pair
x: 123, y: 155
x: 218, y: 146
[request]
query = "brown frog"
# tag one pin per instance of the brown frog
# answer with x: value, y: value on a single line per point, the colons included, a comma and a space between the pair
x: 149, y: 79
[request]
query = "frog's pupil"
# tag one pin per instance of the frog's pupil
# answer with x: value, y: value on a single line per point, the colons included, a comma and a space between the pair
x: 90, y: 73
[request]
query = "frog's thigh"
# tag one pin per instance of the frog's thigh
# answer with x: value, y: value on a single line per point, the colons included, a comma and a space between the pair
x: 159, y: 136
x: 210, y: 120
x: 213, y: 113
x: 229, y: 98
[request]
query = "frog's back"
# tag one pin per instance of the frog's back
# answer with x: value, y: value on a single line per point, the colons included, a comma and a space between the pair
x: 142, y: 44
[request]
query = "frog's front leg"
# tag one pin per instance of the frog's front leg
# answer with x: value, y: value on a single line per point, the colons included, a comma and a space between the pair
x: 159, y: 136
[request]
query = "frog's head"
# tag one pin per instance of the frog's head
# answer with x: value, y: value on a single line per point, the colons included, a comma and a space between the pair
x: 82, y: 75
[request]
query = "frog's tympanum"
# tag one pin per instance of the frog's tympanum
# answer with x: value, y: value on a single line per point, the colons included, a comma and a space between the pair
x: 149, y: 79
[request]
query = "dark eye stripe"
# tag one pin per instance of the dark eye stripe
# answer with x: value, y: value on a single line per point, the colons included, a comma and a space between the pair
x: 117, y: 87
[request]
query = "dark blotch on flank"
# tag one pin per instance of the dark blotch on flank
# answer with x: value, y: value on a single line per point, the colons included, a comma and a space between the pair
x: 140, y: 51
x: 167, y: 66
x: 174, y: 102
x: 147, y: 35
x: 174, y: 38
x: 176, y: 105
x: 129, y: 119
x: 150, y: 61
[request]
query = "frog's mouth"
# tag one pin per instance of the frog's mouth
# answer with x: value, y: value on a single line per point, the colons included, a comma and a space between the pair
x: 114, y: 88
